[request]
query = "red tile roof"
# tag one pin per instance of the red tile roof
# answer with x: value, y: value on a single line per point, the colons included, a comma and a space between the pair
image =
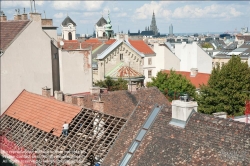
x: 141, y: 46
x: 9, y: 30
x: 199, y: 79
x: 75, y: 44
x: 42, y: 112
x: 110, y: 41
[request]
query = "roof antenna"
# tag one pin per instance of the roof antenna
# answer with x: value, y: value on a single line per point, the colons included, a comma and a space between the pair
x: 34, y: 5
x: 44, y: 14
x: 23, y: 10
x: 31, y: 9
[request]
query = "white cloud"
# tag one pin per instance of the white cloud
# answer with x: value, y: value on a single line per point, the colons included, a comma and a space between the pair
x: 212, y: 11
x: 159, y: 9
x: 66, y: 5
x: 21, y: 4
x: 60, y: 15
x: 116, y: 9
x: 122, y: 14
x: 78, y: 5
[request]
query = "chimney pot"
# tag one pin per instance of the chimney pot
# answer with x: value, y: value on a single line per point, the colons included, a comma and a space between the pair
x: 59, y: 95
x: 46, y: 91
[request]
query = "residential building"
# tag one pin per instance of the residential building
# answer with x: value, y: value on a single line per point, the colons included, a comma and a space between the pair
x: 28, y: 56
x: 193, y: 56
x: 164, y: 59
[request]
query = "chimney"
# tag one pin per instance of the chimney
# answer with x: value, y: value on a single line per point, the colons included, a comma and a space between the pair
x: 80, y: 100
x: 47, y: 22
x: 59, y: 95
x: 94, y: 90
x: 220, y: 115
x: 68, y: 98
x: 35, y: 17
x: 194, y: 72
x: 2, y: 17
x: 24, y: 16
x: 98, y: 105
x: 17, y: 17
x: 132, y: 87
x: 182, y: 110
x: 46, y: 91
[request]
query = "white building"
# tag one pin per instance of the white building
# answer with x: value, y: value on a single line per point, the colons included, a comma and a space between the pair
x: 192, y: 56
x: 68, y: 29
x: 28, y: 57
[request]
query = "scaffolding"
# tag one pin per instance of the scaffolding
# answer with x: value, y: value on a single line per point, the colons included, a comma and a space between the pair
x: 91, y: 134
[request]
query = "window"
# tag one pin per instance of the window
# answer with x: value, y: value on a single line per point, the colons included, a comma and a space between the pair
x: 70, y: 36
x: 149, y: 61
x: 149, y: 73
x: 121, y: 57
x: 55, y: 56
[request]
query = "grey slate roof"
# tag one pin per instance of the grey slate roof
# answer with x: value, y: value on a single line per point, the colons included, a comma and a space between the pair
x: 68, y: 20
x: 101, y: 22
x: 100, y: 50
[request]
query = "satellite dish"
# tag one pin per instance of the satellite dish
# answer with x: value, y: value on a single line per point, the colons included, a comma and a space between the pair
x: 61, y: 43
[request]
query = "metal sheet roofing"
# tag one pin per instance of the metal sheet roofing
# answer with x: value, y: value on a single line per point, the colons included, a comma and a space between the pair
x: 42, y: 112
x: 68, y: 20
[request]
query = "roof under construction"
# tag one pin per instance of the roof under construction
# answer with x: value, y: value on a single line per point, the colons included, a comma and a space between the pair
x: 91, y: 132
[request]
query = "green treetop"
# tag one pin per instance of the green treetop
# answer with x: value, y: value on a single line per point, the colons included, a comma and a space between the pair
x: 172, y: 84
x: 226, y: 89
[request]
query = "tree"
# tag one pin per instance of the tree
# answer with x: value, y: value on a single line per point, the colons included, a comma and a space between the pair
x: 226, y: 89
x: 172, y: 85
x: 113, y: 85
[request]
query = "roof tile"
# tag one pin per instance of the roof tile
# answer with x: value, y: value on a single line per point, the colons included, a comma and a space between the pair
x: 141, y: 46
x: 42, y: 112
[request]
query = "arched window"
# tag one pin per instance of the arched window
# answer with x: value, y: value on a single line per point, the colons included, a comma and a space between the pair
x: 70, y: 36
x: 104, y: 34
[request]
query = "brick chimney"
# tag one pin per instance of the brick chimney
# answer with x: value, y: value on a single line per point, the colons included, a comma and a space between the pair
x: 80, y: 100
x: 24, y: 16
x: 98, y: 105
x: 59, y: 95
x: 46, y: 91
x: 35, y: 17
x: 68, y: 98
x: 2, y: 17
x: 47, y: 22
x: 132, y: 87
x: 182, y: 110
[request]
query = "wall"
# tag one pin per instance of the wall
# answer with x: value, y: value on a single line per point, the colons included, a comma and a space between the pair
x: 75, y: 71
x: 192, y: 56
x: 51, y: 32
x: 113, y: 59
x: 26, y: 64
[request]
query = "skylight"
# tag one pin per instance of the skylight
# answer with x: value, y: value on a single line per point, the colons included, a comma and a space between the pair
x: 140, y: 135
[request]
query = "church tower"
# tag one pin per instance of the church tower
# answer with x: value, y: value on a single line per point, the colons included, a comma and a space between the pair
x: 68, y: 29
x: 108, y: 28
x: 153, y: 26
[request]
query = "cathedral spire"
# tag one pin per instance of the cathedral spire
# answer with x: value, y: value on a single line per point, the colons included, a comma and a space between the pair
x: 153, y: 26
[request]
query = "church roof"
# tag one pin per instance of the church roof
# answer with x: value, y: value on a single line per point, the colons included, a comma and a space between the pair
x: 68, y: 20
x: 101, y: 22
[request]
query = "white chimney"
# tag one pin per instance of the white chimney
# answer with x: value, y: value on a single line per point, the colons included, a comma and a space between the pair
x: 220, y: 115
x: 59, y: 95
x: 194, y: 72
x: 182, y: 110
x: 94, y: 90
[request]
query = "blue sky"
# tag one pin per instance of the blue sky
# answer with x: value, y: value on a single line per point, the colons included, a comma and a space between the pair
x: 186, y: 16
